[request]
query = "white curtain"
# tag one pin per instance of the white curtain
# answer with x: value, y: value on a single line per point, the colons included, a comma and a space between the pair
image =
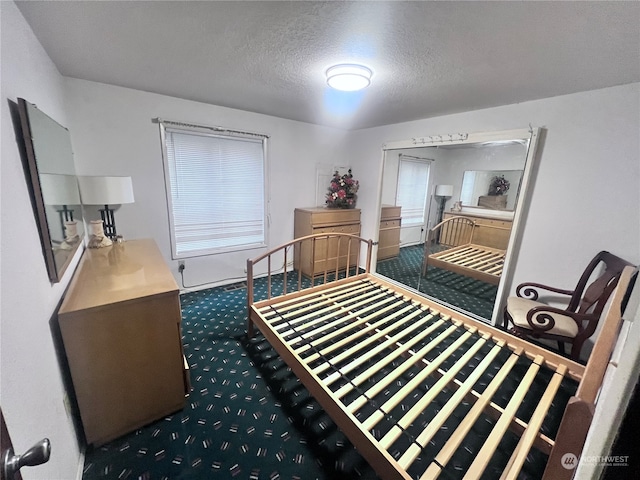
x: 411, y: 195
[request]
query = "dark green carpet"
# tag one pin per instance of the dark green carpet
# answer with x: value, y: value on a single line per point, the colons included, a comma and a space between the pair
x: 463, y: 292
x: 248, y: 417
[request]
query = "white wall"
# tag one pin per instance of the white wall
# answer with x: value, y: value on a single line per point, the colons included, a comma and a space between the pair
x: 586, y: 190
x: 112, y: 134
x: 31, y: 389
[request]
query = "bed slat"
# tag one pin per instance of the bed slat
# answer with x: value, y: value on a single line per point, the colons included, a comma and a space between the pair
x: 371, y: 353
x: 284, y: 305
x: 519, y: 455
x: 329, y: 311
x: 371, y: 339
x: 447, y: 451
x: 491, y: 444
x: 442, y: 416
x: 314, y: 301
x: 414, y: 382
x: 397, y: 372
x: 332, y: 312
x: 357, y: 331
x: 431, y: 394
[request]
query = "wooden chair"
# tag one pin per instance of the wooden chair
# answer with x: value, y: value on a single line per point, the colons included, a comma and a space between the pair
x: 578, y: 320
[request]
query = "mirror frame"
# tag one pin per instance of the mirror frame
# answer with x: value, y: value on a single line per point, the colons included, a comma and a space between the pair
x: 55, y: 272
x: 532, y: 134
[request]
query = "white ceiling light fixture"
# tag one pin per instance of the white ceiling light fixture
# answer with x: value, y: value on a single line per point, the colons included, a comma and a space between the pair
x: 348, y: 77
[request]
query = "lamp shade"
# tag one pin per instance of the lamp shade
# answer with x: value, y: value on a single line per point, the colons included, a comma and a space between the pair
x: 444, y: 190
x: 106, y: 190
x: 59, y: 189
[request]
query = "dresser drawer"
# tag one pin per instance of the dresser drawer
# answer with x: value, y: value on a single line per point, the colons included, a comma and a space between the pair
x: 389, y: 212
x: 352, y: 229
x: 330, y: 217
x: 493, y: 223
x: 389, y: 224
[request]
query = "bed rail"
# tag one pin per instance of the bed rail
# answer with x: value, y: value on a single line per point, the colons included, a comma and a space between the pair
x: 347, y: 259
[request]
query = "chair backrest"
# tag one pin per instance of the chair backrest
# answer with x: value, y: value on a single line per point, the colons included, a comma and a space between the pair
x: 591, y: 299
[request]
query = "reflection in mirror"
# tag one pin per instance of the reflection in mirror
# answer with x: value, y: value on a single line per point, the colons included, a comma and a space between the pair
x: 54, y: 185
x: 461, y: 265
x: 492, y: 189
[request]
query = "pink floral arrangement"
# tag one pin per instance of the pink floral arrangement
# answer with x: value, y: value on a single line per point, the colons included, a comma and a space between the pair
x: 499, y: 185
x: 342, y: 191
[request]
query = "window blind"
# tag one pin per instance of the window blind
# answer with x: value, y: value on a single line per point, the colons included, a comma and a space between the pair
x: 215, y: 187
x: 411, y: 195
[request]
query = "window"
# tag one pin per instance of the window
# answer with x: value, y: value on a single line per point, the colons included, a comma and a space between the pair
x: 411, y: 195
x: 215, y: 181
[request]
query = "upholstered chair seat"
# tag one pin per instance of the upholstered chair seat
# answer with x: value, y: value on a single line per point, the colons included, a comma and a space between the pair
x: 519, y: 307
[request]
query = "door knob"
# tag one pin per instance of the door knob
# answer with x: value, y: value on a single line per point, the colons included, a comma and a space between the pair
x: 36, y: 455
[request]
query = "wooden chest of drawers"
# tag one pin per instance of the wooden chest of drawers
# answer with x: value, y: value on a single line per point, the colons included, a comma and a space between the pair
x: 389, y: 237
x: 489, y: 231
x: 307, y: 221
x: 120, y: 326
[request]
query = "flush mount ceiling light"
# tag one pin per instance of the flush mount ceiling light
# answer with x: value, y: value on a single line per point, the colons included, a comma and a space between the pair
x: 348, y: 77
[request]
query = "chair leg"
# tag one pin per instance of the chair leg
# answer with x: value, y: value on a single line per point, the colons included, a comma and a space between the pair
x: 561, y: 347
x: 505, y: 319
x: 576, y: 348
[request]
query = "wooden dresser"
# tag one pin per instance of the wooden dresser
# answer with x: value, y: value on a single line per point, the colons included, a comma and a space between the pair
x: 120, y: 325
x: 308, y: 221
x: 490, y: 231
x: 389, y: 237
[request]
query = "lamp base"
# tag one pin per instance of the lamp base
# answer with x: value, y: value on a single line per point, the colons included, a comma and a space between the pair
x: 443, y: 201
x: 98, y: 238
x: 109, y: 222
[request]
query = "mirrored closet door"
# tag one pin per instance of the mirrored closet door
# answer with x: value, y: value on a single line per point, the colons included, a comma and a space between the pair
x: 450, y: 214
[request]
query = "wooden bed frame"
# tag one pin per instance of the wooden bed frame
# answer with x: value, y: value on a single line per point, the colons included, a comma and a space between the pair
x: 460, y: 254
x: 378, y: 358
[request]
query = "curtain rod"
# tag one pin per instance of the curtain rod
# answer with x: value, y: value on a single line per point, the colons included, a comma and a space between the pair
x: 416, y: 158
x: 206, y: 127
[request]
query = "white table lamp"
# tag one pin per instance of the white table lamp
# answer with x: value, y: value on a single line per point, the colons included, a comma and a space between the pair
x: 106, y: 191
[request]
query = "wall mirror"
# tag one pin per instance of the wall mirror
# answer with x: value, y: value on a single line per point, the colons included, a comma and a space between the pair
x: 492, y: 189
x: 54, y: 187
x: 428, y: 184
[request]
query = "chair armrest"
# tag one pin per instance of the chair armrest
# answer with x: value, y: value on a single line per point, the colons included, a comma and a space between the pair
x: 528, y: 290
x: 540, y: 319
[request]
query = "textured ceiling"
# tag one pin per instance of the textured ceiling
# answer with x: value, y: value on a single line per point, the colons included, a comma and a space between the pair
x: 428, y: 58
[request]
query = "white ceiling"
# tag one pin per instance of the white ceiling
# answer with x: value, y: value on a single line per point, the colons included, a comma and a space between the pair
x: 429, y: 58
